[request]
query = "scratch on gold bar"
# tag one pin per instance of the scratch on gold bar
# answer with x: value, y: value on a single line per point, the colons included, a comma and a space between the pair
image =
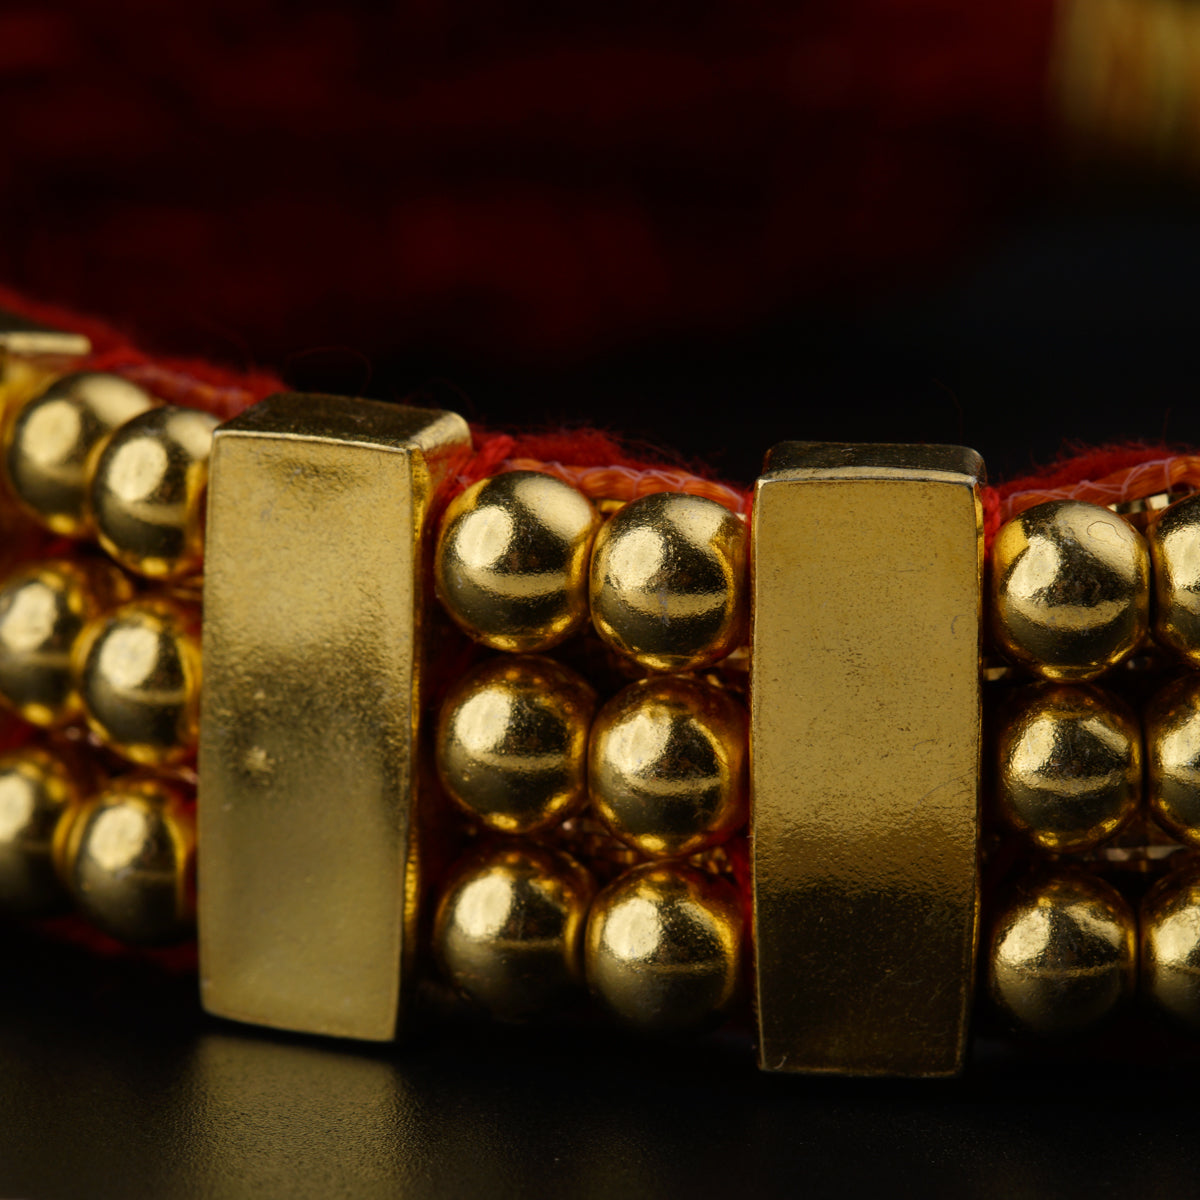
x: 312, y: 614
x: 865, y: 713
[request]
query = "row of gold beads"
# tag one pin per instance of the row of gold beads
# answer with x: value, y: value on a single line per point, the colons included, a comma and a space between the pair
x: 523, y: 561
x: 96, y: 457
x: 1070, y: 587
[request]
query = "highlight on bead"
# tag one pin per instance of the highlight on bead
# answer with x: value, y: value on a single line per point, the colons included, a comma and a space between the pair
x: 1170, y: 945
x: 512, y: 557
x: 147, y: 491
x: 44, y: 607
x: 1172, y: 724
x: 667, y: 765
x: 55, y: 440
x: 1175, y: 551
x: 664, y: 948
x: 137, y: 671
x: 508, y: 931
x: 511, y: 743
x: 40, y: 792
x: 1068, y: 765
x: 1069, y: 589
x: 1062, y: 954
x: 128, y: 861
x: 668, y: 581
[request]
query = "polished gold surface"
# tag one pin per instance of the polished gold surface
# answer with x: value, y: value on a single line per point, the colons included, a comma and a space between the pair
x: 1069, y: 765
x: 668, y: 581
x: 1062, y: 954
x: 512, y: 742
x: 864, y: 744
x: 314, y: 586
x: 1172, y: 724
x: 1175, y: 550
x: 512, y: 560
x: 664, y: 948
x: 137, y: 672
x: 129, y: 861
x: 1069, y: 589
x: 53, y: 442
x: 24, y: 339
x: 509, y: 928
x: 1170, y: 945
x: 39, y: 792
x: 148, y: 489
x: 44, y: 607
x: 667, y: 765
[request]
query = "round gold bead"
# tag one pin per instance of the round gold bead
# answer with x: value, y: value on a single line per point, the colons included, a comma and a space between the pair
x: 512, y: 560
x: 663, y: 948
x: 668, y: 581
x: 137, y: 671
x: 509, y: 928
x: 44, y: 607
x: 55, y: 440
x: 1172, y: 721
x: 1170, y: 959
x: 511, y: 743
x: 1070, y: 766
x: 1062, y: 954
x: 1175, y: 551
x: 667, y: 765
x: 1069, y: 589
x: 128, y: 861
x: 148, y: 488
x: 39, y: 794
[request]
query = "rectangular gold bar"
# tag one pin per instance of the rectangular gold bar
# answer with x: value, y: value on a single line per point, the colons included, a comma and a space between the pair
x: 315, y: 578
x: 865, y: 742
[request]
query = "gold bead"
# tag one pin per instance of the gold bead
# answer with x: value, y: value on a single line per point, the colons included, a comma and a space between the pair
x: 509, y: 928
x: 667, y: 765
x: 663, y: 948
x: 1070, y: 766
x: 44, y: 607
x: 512, y: 743
x: 129, y: 860
x: 1069, y: 589
x: 39, y: 794
x: 148, y: 488
x: 137, y: 670
x: 668, y: 581
x: 512, y: 560
x: 1170, y: 959
x: 1175, y: 551
x: 1172, y: 721
x: 55, y: 440
x: 1062, y: 954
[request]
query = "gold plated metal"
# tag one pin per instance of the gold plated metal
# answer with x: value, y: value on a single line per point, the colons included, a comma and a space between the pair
x: 1062, y: 954
x: 1175, y: 551
x: 1172, y: 722
x: 148, y: 489
x: 22, y: 338
x: 1070, y: 589
x: 129, y: 859
x: 512, y: 743
x: 667, y: 765
x: 315, y: 578
x: 44, y: 607
x: 39, y: 793
x: 509, y: 928
x: 864, y: 745
x: 137, y: 672
x: 1170, y: 945
x: 668, y: 581
x: 53, y: 442
x: 512, y: 560
x: 664, y: 948
x: 1069, y: 765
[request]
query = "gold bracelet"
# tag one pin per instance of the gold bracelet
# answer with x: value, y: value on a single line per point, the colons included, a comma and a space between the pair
x: 807, y: 668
